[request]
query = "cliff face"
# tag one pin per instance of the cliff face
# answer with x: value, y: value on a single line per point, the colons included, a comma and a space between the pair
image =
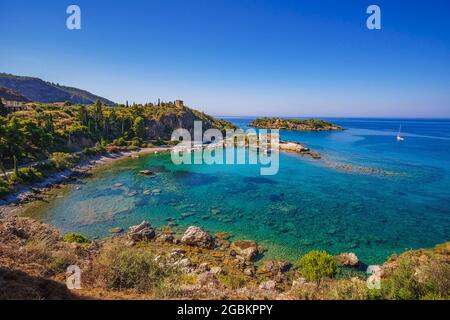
x: 163, y: 126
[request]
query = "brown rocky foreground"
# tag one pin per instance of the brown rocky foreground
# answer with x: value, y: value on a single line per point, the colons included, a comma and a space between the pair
x: 146, y: 263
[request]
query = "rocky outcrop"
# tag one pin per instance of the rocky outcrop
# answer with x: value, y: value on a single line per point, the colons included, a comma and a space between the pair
x: 293, y: 147
x: 298, y: 148
x: 347, y: 260
x: 274, y: 267
x: 269, y: 285
x: 245, y: 249
x: 195, y: 236
x: 141, y: 232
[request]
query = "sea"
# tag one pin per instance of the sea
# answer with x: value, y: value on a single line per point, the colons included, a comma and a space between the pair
x: 369, y: 194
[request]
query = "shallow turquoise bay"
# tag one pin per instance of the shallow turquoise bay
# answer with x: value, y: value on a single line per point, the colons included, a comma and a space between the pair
x: 307, y: 205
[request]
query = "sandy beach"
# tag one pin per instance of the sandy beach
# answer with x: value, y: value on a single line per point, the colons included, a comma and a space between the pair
x: 13, y: 203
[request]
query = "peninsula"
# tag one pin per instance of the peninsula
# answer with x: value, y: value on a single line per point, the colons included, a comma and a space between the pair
x: 295, y: 124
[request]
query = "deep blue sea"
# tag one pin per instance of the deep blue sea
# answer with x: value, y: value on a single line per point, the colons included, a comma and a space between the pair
x: 309, y: 204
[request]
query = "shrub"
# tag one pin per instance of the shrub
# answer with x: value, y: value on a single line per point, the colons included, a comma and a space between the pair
x: 232, y: 281
x: 120, y: 142
x: 348, y: 290
x: 60, y: 260
x: 76, y: 238
x: 133, y: 148
x: 26, y: 175
x: 136, y: 269
x: 4, y: 187
x: 317, y: 265
x: 90, y: 152
x: 401, y: 285
x: 135, y: 143
x: 408, y: 282
x: 173, y: 143
x: 61, y: 160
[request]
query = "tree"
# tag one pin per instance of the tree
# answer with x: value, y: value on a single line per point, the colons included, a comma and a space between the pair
x: 3, y: 145
x: 15, y: 140
x: 139, y: 128
x: 3, y: 109
x: 317, y: 265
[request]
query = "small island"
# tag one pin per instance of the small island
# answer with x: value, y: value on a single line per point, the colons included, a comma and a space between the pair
x: 295, y: 124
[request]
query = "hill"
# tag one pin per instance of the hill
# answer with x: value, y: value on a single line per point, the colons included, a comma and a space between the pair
x: 12, y: 95
x: 38, y: 90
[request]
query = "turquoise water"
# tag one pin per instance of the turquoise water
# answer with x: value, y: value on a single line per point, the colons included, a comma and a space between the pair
x: 307, y: 205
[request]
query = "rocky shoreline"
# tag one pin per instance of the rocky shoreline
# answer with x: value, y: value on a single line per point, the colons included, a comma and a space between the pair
x: 26, y: 194
x: 194, y: 265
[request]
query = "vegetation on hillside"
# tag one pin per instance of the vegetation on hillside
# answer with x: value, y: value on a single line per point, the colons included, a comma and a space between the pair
x: 48, y: 133
x: 294, y: 124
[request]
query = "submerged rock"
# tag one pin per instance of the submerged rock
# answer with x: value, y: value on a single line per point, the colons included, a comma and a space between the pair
x: 195, y: 236
x: 116, y: 230
x: 146, y: 173
x: 141, y: 232
x: 347, y: 260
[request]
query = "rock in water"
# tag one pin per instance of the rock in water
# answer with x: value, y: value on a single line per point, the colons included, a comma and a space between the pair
x: 195, y: 236
x: 116, y: 230
x: 347, y: 260
x: 141, y: 232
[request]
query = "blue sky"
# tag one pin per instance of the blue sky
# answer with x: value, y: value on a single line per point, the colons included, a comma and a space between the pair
x: 229, y: 57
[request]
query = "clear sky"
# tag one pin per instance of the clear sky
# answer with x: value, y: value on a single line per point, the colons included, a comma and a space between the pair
x: 241, y: 57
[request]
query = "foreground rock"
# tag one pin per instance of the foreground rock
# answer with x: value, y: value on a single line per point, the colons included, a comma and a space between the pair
x: 195, y: 236
x: 347, y: 260
x: 246, y: 249
x: 141, y: 232
x: 34, y: 259
x: 274, y: 267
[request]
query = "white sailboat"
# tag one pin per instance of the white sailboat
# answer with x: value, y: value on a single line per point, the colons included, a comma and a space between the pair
x: 399, y: 137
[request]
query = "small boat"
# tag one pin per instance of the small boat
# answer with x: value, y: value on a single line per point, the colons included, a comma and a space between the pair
x: 399, y: 137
